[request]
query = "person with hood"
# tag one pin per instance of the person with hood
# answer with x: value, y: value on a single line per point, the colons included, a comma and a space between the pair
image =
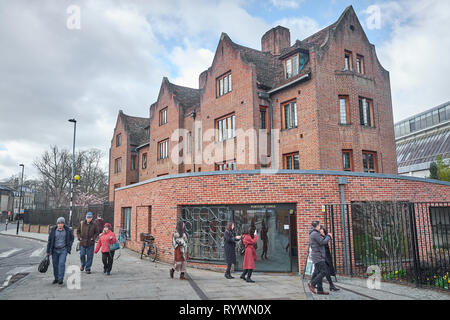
x: 328, y: 261
x: 87, y: 233
x: 179, y: 244
x: 106, y: 238
x: 250, y: 257
x: 318, y: 257
x: 229, y: 246
x: 60, y: 240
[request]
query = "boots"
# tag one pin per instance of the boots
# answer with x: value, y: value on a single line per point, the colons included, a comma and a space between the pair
x: 332, y: 287
x: 182, y: 276
x: 171, y: 273
x: 244, y: 274
x: 249, y: 276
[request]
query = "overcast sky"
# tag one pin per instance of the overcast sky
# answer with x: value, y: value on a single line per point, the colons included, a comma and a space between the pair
x: 54, y: 67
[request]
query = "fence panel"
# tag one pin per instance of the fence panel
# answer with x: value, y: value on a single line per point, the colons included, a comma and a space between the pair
x: 409, y: 242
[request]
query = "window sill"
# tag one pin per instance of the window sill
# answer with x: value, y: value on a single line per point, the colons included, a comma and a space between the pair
x: 368, y: 127
x: 345, y: 124
x: 289, y: 129
x: 218, y: 97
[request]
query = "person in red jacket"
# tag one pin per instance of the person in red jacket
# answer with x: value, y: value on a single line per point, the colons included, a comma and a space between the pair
x: 106, y: 238
x: 249, y: 241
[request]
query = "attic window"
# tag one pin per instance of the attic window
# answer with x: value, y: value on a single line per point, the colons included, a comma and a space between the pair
x: 294, y: 64
x: 352, y: 27
x: 223, y: 85
x: 163, y: 116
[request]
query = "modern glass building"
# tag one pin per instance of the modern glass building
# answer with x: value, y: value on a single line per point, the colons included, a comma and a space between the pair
x: 420, y: 138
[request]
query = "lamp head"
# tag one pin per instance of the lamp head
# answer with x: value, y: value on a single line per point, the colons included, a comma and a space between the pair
x: 72, y: 120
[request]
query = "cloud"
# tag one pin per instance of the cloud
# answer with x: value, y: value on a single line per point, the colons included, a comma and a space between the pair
x: 416, y: 55
x: 286, y: 4
x: 300, y: 28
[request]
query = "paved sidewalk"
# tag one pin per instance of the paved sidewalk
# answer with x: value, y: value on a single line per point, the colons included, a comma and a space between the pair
x: 133, y: 278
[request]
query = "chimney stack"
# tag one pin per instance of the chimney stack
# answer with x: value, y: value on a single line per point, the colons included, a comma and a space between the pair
x: 275, y: 40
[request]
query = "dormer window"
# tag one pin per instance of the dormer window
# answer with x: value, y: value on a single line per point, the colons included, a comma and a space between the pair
x: 348, y: 61
x: 147, y: 133
x: 223, y: 85
x: 119, y: 140
x: 360, y: 64
x: 294, y: 64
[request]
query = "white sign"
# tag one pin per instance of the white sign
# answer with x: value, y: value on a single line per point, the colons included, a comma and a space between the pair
x: 286, y: 227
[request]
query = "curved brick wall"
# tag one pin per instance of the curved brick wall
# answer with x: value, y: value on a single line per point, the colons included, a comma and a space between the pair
x: 309, y: 190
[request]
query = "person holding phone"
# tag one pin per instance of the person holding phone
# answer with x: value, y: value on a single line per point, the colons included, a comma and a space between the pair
x: 250, y: 257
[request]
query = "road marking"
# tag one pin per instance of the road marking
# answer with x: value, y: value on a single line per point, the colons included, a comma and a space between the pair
x: 38, y: 252
x: 5, y: 284
x: 8, y: 253
x: 20, y: 270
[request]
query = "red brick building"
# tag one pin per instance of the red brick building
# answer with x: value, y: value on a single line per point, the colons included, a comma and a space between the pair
x: 322, y: 103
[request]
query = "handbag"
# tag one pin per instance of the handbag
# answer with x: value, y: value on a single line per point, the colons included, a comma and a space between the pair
x: 114, y: 246
x: 43, y: 266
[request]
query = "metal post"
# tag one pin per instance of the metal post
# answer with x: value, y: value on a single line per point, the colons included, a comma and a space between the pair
x: 73, y: 169
x: 193, y: 115
x: 342, y: 182
x: 20, y: 200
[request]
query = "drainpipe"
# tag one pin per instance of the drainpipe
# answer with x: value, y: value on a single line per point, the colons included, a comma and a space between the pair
x: 193, y: 115
x: 266, y: 96
x: 342, y: 182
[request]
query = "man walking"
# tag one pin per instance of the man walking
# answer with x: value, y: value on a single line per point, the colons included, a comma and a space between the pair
x: 318, y: 257
x: 59, y: 244
x: 86, y: 234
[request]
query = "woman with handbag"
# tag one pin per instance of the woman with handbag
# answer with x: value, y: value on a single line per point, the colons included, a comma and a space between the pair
x: 179, y: 243
x: 106, y: 239
x: 250, y: 257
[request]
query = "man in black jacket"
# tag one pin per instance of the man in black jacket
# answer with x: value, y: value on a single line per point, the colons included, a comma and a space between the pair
x: 318, y: 257
x: 87, y: 233
x: 59, y: 244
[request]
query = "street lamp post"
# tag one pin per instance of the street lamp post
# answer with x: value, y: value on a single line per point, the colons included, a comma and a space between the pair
x: 20, y: 200
x: 73, y: 169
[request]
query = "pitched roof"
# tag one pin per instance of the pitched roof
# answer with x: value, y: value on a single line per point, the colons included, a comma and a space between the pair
x: 187, y: 97
x: 135, y: 127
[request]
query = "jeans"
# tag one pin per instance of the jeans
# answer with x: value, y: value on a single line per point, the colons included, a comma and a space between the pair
x: 89, y: 252
x: 59, y: 263
x: 323, y: 271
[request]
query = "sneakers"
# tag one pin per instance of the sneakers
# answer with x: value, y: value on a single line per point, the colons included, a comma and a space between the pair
x: 88, y: 271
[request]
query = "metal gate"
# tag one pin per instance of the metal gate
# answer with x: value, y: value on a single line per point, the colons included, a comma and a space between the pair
x: 408, y: 242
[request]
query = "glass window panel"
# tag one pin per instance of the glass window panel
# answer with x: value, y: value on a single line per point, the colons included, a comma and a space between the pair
x: 225, y: 85
x: 417, y: 123
x: 343, y: 110
x: 229, y: 83
x: 289, y: 162
x: 412, y: 125
x: 262, y: 118
x: 234, y: 125
x: 288, y: 68
x: 447, y: 112
x: 296, y: 162
x: 435, y: 117
x: 347, y: 62
x: 220, y: 130
x: 295, y: 65
x: 230, y: 132
x: 346, y: 160
x: 365, y: 112
x: 423, y: 123
x: 442, y: 114
x: 286, y: 117
x: 294, y: 114
x: 221, y: 87
x: 429, y: 119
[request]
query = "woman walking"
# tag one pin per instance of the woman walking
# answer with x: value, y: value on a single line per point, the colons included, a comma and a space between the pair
x: 179, y: 243
x: 265, y: 240
x: 106, y: 238
x: 250, y: 257
x: 229, y: 246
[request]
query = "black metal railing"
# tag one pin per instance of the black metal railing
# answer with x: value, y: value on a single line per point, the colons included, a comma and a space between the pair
x: 49, y: 216
x: 408, y: 242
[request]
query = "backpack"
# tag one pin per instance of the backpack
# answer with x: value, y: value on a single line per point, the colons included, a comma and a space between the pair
x: 241, y: 246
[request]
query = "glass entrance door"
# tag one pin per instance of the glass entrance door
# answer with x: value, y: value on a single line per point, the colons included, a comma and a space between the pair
x: 274, y: 237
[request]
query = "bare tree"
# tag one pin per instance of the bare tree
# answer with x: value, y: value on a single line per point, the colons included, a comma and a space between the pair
x: 54, y: 167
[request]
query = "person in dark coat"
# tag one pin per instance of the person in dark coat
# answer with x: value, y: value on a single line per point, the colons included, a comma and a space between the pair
x: 250, y: 239
x: 318, y: 257
x: 328, y: 261
x: 229, y: 247
x: 265, y: 240
x: 59, y: 244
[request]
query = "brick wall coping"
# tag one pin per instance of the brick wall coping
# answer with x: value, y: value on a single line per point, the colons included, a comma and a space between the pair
x: 291, y: 172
